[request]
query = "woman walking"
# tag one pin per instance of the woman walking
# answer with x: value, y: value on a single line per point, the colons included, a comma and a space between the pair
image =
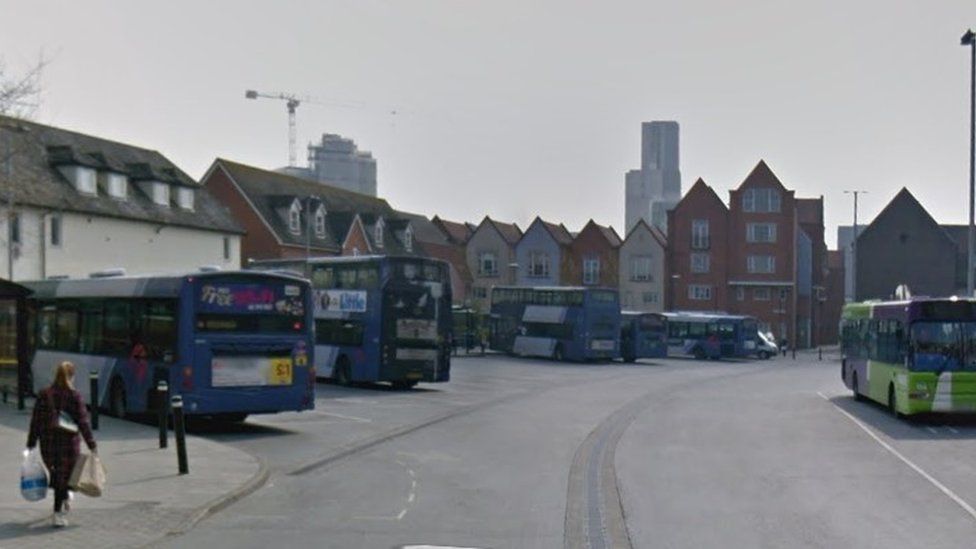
x: 60, y: 443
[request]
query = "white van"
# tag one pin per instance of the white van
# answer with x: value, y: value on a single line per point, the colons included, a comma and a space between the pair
x: 765, y: 346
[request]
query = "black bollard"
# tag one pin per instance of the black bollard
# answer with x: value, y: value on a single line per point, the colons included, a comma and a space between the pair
x: 162, y: 390
x: 4, y: 394
x: 93, y: 397
x: 819, y: 353
x: 180, y: 432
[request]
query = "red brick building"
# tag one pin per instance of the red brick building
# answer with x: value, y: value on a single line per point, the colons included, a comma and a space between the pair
x: 593, y: 258
x: 763, y: 255
x: 697, y: 254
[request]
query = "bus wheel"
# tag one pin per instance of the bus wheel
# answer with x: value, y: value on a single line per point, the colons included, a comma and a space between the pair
x: 857, y: 394
x: 764, y: 355
x: 342, y: 374
x: 117, y: 405
x: 630, y: 358
x: 892, y: 404
x: 403, y: 384
x: 557, y: 353
x: 699, y: 353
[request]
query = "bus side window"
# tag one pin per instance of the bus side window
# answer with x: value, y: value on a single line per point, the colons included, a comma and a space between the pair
x: 117, y: 333
x: 323, y: 277
x: 159, y: 328
x: 90, y: 340
x: 46, y: 327
x: 66, y: 328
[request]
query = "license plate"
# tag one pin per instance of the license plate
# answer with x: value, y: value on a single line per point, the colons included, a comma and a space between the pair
x: 280, y: 372
x: 414, y: 375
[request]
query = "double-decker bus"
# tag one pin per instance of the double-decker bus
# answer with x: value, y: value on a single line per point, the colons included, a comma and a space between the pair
x: 379, y: 318
x: 710, y: 335
x: 562, y: 323
x: 231, y: 343
x: 913, y: 356
x: 643, y: 335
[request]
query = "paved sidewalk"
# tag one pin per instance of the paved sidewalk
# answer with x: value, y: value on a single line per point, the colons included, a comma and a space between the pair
x: 145, y: 499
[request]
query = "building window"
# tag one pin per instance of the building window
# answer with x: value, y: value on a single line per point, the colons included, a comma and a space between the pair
x: 14, y: 228
x: 699, y: 292
x: 487, y: 264
x: 783, y: 294
x: 295, y: 218
x: 320, y: 222
x: 85, y: 180
x: 760, y: 294
x: 226, y: 247
x: 591, y: 270
x: 761, y: 200
x: 117, y: 185
x: 184, y: 198
x: 650, y: 297
x: 538, y: 265
x: 55, y: 231
x: 480, y: 292
x: 760, y: 232
x: 740, y: 293
x: 699, y: 263
x: 160, y: 192
x: 761, y: 264
x: 640, y: 268
x: 699, y: 234
x: 408, y: 238
x: 378, y: 234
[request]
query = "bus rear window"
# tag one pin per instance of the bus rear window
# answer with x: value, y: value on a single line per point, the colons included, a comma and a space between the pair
x: 428, y: 272
x: 249, y: 323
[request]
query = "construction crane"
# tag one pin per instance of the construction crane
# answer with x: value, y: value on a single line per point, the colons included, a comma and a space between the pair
x: 292, y: 101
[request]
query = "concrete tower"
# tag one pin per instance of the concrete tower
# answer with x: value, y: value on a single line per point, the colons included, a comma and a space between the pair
x: 656, y: 187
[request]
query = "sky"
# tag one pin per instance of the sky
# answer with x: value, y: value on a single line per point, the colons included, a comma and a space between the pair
x: 521, y: 108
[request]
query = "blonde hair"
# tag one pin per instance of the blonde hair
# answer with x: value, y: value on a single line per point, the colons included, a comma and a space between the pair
x: 64, y: 373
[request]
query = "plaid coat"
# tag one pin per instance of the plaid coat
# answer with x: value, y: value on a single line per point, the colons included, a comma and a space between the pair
x: 59, y: 449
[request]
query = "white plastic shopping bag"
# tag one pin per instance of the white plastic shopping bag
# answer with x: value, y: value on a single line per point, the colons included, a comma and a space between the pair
x: 88, y: 476
x: 33, y: 476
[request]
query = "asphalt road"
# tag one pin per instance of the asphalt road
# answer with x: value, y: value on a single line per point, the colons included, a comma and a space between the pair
x: 669, y: 453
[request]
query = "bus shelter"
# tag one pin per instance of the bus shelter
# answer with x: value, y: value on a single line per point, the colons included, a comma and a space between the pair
x: 14, y: 359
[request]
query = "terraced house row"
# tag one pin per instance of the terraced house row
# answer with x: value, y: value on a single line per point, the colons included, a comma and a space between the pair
x: 79, y: 204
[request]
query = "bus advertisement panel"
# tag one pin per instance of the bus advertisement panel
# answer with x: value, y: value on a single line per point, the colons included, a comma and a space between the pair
x: 379, y: 318
x: 556, y: 322
x: 913, y: 356
x: 231, y: 343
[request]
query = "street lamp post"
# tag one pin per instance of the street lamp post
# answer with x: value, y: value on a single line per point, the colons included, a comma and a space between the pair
x: 854, y: 246
x: 969, y: 39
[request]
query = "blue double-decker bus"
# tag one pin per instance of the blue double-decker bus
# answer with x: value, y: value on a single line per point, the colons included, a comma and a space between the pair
x: 643, y: 335
x: 710, y: 335
x: 562, y: 323
x: 379, y: 318
x: 231, y: 343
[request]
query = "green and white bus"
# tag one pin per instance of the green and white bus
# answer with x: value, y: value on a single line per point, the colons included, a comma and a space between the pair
x: 914, y: 356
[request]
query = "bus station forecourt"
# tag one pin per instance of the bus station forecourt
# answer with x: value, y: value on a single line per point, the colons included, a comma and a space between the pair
x: 242, y: 343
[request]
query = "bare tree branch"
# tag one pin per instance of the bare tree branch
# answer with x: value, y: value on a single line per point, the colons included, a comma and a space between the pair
x: 20, y: 95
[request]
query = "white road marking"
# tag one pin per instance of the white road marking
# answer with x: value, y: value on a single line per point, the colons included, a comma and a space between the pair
x: 411, y: 498
x: 351, y: 418
x: 435, y: 547
x: 942, y: 487
x: 953, y: 430
x: 412, y: 474
x: 403, y: 512
x: 932, y: 430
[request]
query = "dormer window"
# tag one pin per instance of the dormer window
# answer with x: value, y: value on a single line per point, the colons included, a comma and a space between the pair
x: 320, y: 222
x: 295, y: 218
x: 184, y: 198
x: 160, y: 193
x: 117, y: 185
x: 378, y: 233
x: 83, y: 179
x: 408, y: 238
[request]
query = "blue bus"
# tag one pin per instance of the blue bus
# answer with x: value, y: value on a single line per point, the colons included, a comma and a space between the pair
x: 379, y: 318
x: 643, y: 335
x: 711, y: 335
x: 231, y: 343
x: 561, y: 323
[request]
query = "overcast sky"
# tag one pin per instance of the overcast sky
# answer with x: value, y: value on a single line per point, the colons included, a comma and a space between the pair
x: 519, y: 108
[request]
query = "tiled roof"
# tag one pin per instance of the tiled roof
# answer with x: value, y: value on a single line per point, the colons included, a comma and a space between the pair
x: 509, y: 231
x: 37, y: 151
x: 762, y: 176
x: 272, y: 193
x: 458, y: 233
x: 559, y: 232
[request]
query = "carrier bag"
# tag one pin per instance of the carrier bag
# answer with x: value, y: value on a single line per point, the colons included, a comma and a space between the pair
x: 33, y: 476
x: 88, y: 476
